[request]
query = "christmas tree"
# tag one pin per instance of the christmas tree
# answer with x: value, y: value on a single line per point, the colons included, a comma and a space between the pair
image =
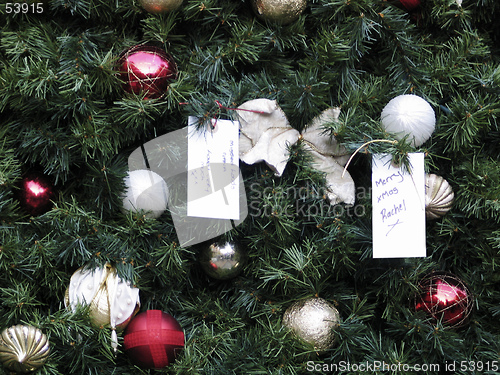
x: 64, y: 113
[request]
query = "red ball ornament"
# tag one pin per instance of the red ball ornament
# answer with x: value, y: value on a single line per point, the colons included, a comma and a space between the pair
x: 147, y: 70
x: 153, y: 339
x: 410, y: 4
x: 35, y: 193
x: 445, y: 298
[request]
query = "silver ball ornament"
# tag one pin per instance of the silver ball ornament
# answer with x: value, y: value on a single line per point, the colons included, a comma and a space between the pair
x: 222, y: 260
x: 160, y: 6
x: 313, y: 320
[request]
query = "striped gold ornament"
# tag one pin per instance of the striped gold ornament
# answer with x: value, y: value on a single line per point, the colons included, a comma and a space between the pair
x: 439, y: 196
x: 23, y: 348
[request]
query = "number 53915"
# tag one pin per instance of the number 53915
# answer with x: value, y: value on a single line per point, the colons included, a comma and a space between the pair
x: 16, y: 8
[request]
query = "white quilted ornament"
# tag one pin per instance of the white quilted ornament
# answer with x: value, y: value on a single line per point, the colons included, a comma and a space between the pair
x: 112, y: 301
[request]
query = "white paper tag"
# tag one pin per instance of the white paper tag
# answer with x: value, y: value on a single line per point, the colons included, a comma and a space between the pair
x: 398, y: 200
x: 213, y: 170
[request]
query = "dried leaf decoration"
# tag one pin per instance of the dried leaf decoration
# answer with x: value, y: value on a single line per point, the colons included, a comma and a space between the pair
x: 329, y: 157
x: 265, y: 136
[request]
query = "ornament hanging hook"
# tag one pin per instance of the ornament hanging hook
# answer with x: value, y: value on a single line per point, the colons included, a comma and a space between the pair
x: 364, y: 145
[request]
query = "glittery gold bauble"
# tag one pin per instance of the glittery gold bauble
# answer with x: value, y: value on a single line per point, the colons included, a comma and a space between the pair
x: 160, y: 6
x: 222, y: 259
x: 280, y: 11
x: 23, y: 348
x: 112, y: 301
x: 439, y: 196
x: 314, y: 321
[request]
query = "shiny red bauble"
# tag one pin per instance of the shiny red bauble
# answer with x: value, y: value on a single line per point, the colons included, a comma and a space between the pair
x: 445, y: 298
x: 35, y: 193
x: 153, y: 339
x: 147, y: 70
x: 410, y: 4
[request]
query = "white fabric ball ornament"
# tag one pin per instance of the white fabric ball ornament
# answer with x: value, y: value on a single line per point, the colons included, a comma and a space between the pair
x: 409, y: 115
x: 146, y: 191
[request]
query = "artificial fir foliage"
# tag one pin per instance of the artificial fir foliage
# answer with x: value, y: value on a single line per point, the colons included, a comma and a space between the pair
x: 63, y: 112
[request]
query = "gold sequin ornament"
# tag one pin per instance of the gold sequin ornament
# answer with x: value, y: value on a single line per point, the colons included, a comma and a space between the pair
x: 280, y: 11
x: 439, y: 196
x: 23, y: 348
x: 313, y: 320
x: 112, y: 301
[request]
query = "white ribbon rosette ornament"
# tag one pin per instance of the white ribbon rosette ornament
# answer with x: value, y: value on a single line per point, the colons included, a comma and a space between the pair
x: 266, y: 135
x: 112, y: 301
x: 409, y: 116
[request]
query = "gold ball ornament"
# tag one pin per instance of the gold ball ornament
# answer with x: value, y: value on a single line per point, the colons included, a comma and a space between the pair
x: 222, y: 260
x: 439, y: 196
x: 160, y: 6
x: 280, y: 11
x: 112, y: 301
x: 23, y: 348
x: 313, y: 320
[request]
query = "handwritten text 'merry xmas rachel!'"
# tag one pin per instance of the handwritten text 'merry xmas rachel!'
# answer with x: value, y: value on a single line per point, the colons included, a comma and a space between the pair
x: 391, y: 191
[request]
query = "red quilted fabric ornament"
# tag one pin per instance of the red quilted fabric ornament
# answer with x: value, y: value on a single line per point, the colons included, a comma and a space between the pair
x: 410, y: 4
x: 153, y: 339
x: 147, y: 70
x: 446, y: 298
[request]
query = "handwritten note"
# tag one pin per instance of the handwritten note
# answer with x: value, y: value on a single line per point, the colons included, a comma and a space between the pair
x: 213, y: 170
x: 398, y: 200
